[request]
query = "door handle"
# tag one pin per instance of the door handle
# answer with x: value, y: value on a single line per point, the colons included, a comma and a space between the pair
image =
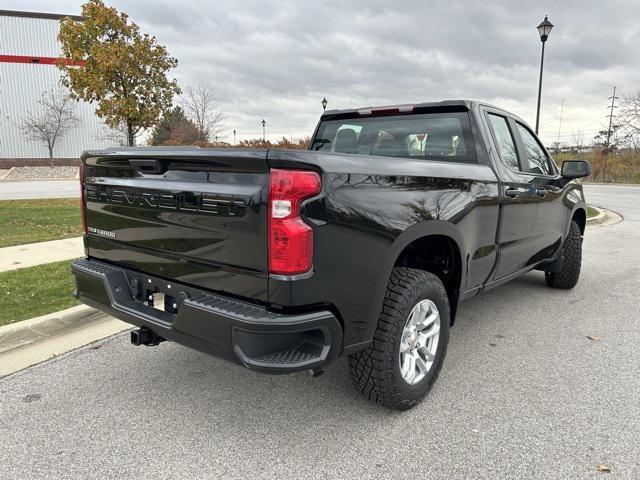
x: 541, y: 192
x: 512, y: 192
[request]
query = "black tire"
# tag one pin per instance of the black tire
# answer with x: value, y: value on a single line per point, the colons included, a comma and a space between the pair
x: 569, y: 273
x: 376, y: 371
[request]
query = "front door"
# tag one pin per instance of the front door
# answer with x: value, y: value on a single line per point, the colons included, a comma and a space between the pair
x: 518, y: 241
x: 552, y: 213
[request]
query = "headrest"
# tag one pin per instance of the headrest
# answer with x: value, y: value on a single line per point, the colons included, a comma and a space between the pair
x: 346, y: 141
x: 439, y: 143
x: 393, y: 147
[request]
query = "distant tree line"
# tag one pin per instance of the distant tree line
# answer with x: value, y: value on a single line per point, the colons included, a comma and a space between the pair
x: 615, y: 155
x: 177, y: 128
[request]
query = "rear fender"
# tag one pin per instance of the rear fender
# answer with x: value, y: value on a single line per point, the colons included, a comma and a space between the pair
x: 415, y: 232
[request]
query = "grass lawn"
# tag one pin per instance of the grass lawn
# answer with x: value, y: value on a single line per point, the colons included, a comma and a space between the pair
x: 34, y: 291
x: 592, y: 212
x: 28, y: 221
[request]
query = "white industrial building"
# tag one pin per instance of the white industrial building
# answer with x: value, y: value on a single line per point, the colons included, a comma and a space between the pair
x: 28, y: 49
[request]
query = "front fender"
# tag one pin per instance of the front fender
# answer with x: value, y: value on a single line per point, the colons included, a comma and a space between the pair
x: 574, y: 200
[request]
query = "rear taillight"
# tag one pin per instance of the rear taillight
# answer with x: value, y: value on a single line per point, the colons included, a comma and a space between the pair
x: 83, y: 202
x: 290, y: 238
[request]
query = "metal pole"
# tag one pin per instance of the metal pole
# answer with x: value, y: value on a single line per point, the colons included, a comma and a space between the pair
x: 559, y: 128
x: 264, y: 137
x: 540, y: 88
x: 608, y: 143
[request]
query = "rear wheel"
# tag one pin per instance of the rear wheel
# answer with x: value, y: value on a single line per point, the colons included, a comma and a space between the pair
x: 409, y: 344
x: 569, y: 273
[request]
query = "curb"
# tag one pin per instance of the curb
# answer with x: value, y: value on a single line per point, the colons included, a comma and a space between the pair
x: 32, y: 341
x: 2, y: 179
x: 597, y: 218
x: 45, y: 325
x: 612, y: 184
x: 604, y: 218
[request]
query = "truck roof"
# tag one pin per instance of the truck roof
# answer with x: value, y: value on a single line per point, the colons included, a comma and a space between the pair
x: 466, y: 104
x: 444, y: 105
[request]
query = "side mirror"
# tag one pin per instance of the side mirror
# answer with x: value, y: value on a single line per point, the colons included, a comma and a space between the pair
x: 575, y: 169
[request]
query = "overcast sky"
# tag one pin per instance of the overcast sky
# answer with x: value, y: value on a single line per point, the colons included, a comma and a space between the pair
x: 278, y: 59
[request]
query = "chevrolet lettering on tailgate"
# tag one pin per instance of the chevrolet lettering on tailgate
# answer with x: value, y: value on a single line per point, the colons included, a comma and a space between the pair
x: 183, y: 201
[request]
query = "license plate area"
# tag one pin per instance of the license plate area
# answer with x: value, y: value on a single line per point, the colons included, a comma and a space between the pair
x: 161, y: 301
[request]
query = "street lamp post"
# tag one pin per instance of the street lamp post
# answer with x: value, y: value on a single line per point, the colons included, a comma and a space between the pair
x: 234, y: 136
x: 544, y: 29
x: 264, y: 138
x: 324, y: 104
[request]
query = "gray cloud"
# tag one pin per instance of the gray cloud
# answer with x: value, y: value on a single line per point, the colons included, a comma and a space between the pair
x: 278, y: 59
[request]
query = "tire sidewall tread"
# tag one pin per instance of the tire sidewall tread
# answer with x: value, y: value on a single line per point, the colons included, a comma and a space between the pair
x: 569, y: 273
x: 376, y: 371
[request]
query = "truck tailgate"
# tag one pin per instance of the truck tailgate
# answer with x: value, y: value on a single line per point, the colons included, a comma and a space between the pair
x: 198, y: 217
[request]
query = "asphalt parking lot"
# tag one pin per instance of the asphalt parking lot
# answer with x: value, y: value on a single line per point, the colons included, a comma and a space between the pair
x: 524, y: 393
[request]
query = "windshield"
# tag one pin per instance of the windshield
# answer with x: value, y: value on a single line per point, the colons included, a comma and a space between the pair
x: 433, y: 136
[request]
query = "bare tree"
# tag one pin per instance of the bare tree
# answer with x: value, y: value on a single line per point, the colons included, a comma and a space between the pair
x: 55, y: 118
x: 118, y: 134
x: 630, y: 115
x: 577, y: 138
x: 200, y: 106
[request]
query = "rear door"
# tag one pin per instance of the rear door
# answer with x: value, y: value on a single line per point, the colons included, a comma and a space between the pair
x: 194, y: 216
x: 518, y: 240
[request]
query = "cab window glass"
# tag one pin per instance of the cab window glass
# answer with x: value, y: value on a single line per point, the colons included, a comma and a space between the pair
x: 536, y: 157
x: 506, y: 145
x: 443, y: 137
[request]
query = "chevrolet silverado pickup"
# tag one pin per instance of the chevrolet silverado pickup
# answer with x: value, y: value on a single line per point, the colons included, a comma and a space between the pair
x: 363, y: 246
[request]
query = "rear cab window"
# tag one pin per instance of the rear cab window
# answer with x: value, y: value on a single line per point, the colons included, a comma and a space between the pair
x: 445, y: 137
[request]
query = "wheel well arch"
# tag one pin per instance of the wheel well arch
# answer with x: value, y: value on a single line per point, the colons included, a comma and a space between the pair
x: 440, y: 255
x: 580, y: 217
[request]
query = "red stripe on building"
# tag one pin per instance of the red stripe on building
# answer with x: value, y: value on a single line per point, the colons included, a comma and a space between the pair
x: 36, y: 60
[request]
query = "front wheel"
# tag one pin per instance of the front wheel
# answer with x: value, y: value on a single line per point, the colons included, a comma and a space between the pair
x: 409, y: 344
x: 569, y: 273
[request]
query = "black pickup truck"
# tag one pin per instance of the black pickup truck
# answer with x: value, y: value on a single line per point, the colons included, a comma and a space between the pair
x: 362, y: 246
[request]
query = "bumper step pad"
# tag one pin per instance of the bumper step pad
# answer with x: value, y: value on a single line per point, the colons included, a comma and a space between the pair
x: 289, y: 356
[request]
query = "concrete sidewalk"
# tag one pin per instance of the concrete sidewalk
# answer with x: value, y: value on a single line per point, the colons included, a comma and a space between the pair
x: 31, y: 254
x: 26, y: 343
